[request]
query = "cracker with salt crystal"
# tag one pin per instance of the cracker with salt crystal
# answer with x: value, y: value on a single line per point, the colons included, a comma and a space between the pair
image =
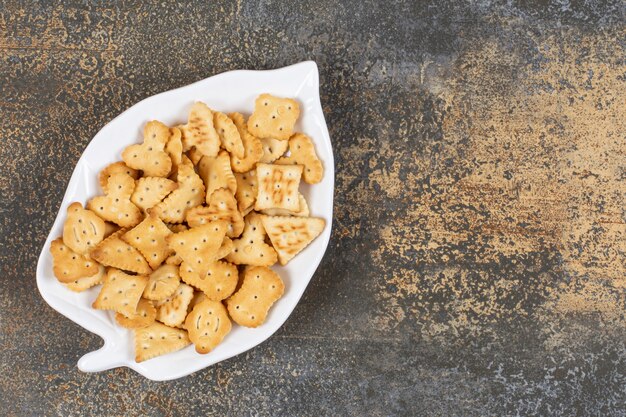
x: 149, y: 238
x: 173, y: 309
x: 189, y: 194
x: 199, y: 132
x: 115, y: 168
x: 290, y: 235
x: 114, y: 252
x: 260, y: 289
x: 218, y: 283
x: 83, y: 284
x: 150, y: 191
x: 222, y: 206
x: 273, y: 117
x: 162, y: 283
x: 216, y: 173
x: 273, y: 149
x: 158, y: 339
x: 83, y: 229
x: 144, y: 315
x: 121, y: 292
x: 198, y: 246
x: 229, y: 135
x: 247, y: 190
x: 302, y: 152
x: 278, y: 187
x: 251, y: 249
x: 150, y: 156
x: 207, y: 324
x: 116, y: 206
x: 68, y: 265
x: 303, y: 212
x: 252, y: 147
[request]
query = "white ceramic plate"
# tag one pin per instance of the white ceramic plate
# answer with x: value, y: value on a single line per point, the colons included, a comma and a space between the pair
x: 227, y: 92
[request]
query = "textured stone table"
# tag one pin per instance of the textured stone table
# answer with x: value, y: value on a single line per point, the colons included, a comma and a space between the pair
x: 476, y: 265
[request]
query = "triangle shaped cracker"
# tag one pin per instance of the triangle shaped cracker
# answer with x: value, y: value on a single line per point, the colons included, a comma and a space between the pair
x: 247, y: 190
x: 149, y: 238
x: 199, y: 245
x: 251, y: 249
x: 273, y: 117
x: 162, y: 283
x: 82, y: 284
x: 83, y: 229
x: 273, y: 149
x: 260, y: 289
x: 278, y: 187
x: 289, y: 235
x: 190, y: 193
x: 200, y: 131
x: 158, y: 339
x: 222, y: 206
x: 115, y: 168
x: 174, y: 149
x: 302, y: 152
x: 216, y: 173
x: 303, y: 212
x: 144, y: 315
x: 252, y: 147
x: 150, y: 191
x: 150, y: 156
x: 229, y: 134
x: 173, y: 309
x: 116, y: 206
x: 121, y: 292
x: 218, y: 283
x: 208, y: 324
x: 114, y: 252
x: 68, y: 265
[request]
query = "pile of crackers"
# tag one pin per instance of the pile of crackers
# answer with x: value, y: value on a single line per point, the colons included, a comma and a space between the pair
x: 189, y: 224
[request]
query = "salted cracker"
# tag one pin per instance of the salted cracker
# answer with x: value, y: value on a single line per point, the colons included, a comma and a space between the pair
x: 302, y: 152
x: 115, y: 168
x: 116, y: 253
x: 144, y: 315
x: 150, y: 191
x: 216, y: 173
x: 162, y: 283
x: 121, y: 292
x: 189, y: 194
x: 229, y: 134
x: 207, y: 324
x: 218, y: 283
x: 251, y: 249
x: 289, y: 235
x: 173, y: 309
x: 252, y: 147
x: 158, y: 339
x: 150, y: 156
x: 82, y: 284
x: 68, y: 265
x: 116, y: 206
x: 199, y: 132
x: 247, y: 189
x: 222, y: 206
x: 273, y: 117
x: 83, y: 229
x: 149, y: 238
x: 273, y: 149
x: 303, y: 212
x: 260, y: 289
x: 278, y: 187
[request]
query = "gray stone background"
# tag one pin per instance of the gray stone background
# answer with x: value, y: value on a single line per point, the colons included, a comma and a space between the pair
x: 476, y: 266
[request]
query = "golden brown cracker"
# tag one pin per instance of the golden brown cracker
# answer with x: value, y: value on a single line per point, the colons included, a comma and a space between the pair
x: 229, y: 134
x: 176, y: 227
x: 174, y: 259
x: 143, y: 316
x: 273, y: 117
x: 116, y: 206
x: 199, y: 132
x: 303, y: 212
x: 174, y: 149
x: 115, y: 168
x: 83, y: 229
x: 158, y: 339
x: 273, y: 149
x: 67, y: 265
x: 149, y: 238
x: 222, y: 206
x: 189, y: 194
x: 150, y: 156
x: 113, y: 251
x: 247, y: 190
x: 302, y: 152
x: 289, y: 235
x: 260, y: 289
x: 251, y: 249
x: 216, y: 173
x: 110, y: 228
x: 278, y: 187
x: 207, y: 324
x: 82, y: 284
x: 121, y: 292
x: 162, y: 283
x: 225, y: 249
x: 218, y: 283
x: 194, y: 156
x: 173, y: 309
x: 198, y: 246
x: 150, y: 191
x: 252, y: 147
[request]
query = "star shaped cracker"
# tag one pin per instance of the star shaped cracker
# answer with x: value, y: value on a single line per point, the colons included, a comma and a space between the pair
x: 253, y: 149
x: 158, y: 339
x: 150, y: 156
x: 199, y: 132
x: 121, y: 292
x: 289, y: 235
x: 116, y: 206
x: 251, y: 249
x: 302, y: 152
x: 216, y: 173
x: 83, y: 229
x: 189, y: 194
x: 229, y: 134
x: 217, y: 284
x: 278, y: 187
x: 149, y: 238
x: 273, y: 117
x: 222, y: 206
x: 207, y: 324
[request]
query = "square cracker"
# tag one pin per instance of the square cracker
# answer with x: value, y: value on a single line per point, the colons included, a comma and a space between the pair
x: 273, y: 117
x: 148, y: 237
x: 121, y: 292
x: 278, y: 187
